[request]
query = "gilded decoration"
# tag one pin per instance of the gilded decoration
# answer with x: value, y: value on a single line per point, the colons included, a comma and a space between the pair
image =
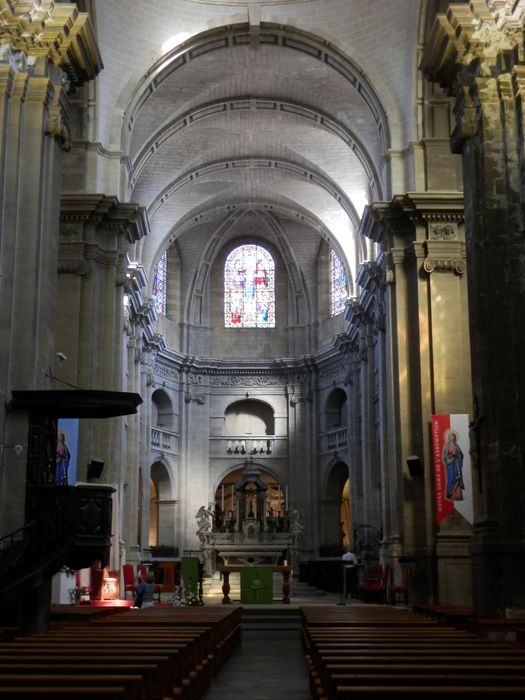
x: 56, y: 31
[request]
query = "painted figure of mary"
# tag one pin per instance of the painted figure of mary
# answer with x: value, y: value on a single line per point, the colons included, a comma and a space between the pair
x: 453, y: 459
x: 63, y: 457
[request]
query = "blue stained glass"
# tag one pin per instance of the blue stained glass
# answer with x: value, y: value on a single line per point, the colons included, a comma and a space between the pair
x: 160, y: 284
x: 338, y: 284
x: 249, y: 288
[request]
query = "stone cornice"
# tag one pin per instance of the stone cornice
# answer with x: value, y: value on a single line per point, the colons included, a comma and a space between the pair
x: 57, y: 31
x: 483, y: 36
x: 107, y: 212
x: 431, y: 207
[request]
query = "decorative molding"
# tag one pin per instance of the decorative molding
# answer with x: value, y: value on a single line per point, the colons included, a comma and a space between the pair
x: 199, y: 399
x: 247, y: 380
x: 442, y: 231
x: 56, y: 31
x: 73, y: 267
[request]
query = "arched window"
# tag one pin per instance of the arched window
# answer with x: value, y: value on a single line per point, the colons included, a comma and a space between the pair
x: 249, y: 288
x: 160, y: 284
x: 338, y: 284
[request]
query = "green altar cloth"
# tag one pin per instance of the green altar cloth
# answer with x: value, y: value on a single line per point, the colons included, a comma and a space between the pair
x: 256, y: 584
x: 189, y: 571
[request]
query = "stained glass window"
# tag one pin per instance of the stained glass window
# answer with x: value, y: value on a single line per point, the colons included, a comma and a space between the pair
x: 338, y: 284
x: 160, y: 283
x: 249, y: 288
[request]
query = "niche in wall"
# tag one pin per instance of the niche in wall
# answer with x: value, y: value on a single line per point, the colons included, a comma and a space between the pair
x: 249, y: 417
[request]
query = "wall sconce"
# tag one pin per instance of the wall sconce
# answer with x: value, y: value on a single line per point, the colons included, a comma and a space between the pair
x: 94, y: 470
x: 415, y: 467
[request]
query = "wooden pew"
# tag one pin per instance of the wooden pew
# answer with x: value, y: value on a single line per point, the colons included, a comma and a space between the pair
x: 178, y: 644
x: 130, y: 682
x: 356, y: 655
x: 82, y: 692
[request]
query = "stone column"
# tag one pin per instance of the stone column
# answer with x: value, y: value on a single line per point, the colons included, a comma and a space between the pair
x: 40, y: 59
x: 476, y: 54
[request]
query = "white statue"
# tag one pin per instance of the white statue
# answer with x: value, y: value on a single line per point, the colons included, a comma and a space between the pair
x: 294, y: 520
x: 204, y: 517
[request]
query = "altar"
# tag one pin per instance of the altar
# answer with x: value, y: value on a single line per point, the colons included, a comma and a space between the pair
x: 249, y: 534
x: 227, y: 570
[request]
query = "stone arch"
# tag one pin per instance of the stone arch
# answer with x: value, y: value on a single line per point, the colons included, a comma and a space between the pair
x: 332, y: 531
x: 162, y: 414
x: 278, y: 246
x: 161, y: 512
x: 230, y: 477
x: 249, y: 417
x: 336, y: 409
x: 133, y: 100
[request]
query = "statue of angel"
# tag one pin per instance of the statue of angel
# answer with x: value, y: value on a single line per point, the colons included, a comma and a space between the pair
x: 204, y: 516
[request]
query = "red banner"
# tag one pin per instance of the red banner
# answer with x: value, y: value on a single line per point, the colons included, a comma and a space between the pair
x: 452, y: 472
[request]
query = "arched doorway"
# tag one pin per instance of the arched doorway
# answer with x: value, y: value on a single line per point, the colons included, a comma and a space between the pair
x: 161, y: 508
x: 336, y: 521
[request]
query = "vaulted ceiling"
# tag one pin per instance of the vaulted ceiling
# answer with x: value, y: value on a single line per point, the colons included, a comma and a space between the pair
x: 286, y: 107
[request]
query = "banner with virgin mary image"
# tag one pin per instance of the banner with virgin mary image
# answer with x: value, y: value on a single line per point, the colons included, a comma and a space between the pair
x: 66, y: 452
x: 452, y: 467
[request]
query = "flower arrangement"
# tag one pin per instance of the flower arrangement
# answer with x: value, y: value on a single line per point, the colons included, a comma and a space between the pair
x: 77, y: 593
x: 193, y: 599
x: 182, y: 597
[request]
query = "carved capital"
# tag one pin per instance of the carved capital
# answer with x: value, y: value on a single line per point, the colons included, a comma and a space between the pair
x: 431, y: 265
x: 55, y: 31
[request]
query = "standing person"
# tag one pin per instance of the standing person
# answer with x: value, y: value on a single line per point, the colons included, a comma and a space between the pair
x: 146, y: 592
x: 350, y: 563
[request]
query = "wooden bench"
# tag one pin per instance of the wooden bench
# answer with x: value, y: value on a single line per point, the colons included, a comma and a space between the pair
x: 388, y: 655
x: 82, y: 692
x: 174, y: 648
x: 130, y: 682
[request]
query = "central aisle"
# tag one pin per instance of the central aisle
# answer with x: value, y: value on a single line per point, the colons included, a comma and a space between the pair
x: 267, y: 667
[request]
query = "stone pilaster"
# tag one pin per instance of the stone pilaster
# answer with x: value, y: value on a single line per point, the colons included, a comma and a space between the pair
x: 96, y: 233
x: 476, y: 55
x: 427, y: 340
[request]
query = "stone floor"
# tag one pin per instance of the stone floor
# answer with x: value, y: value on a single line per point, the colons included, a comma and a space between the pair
x: 266, y: 668
x: 269, y: 664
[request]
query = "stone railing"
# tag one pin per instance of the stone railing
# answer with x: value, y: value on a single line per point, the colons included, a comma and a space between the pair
x: 163, y: 440
x: 249, y: 446
x: 333, y: 440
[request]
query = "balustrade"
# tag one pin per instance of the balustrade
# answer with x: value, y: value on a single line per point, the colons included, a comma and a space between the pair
x: 334, y: 439
x: 162, y: 439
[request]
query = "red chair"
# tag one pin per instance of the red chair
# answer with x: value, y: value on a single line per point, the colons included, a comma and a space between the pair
x: 398, y: 589
x: 375, y: 587
x: 129, y: 579
x: 142, y: 571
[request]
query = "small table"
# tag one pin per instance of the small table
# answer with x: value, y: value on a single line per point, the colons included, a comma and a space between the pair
x: 227, y: 570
